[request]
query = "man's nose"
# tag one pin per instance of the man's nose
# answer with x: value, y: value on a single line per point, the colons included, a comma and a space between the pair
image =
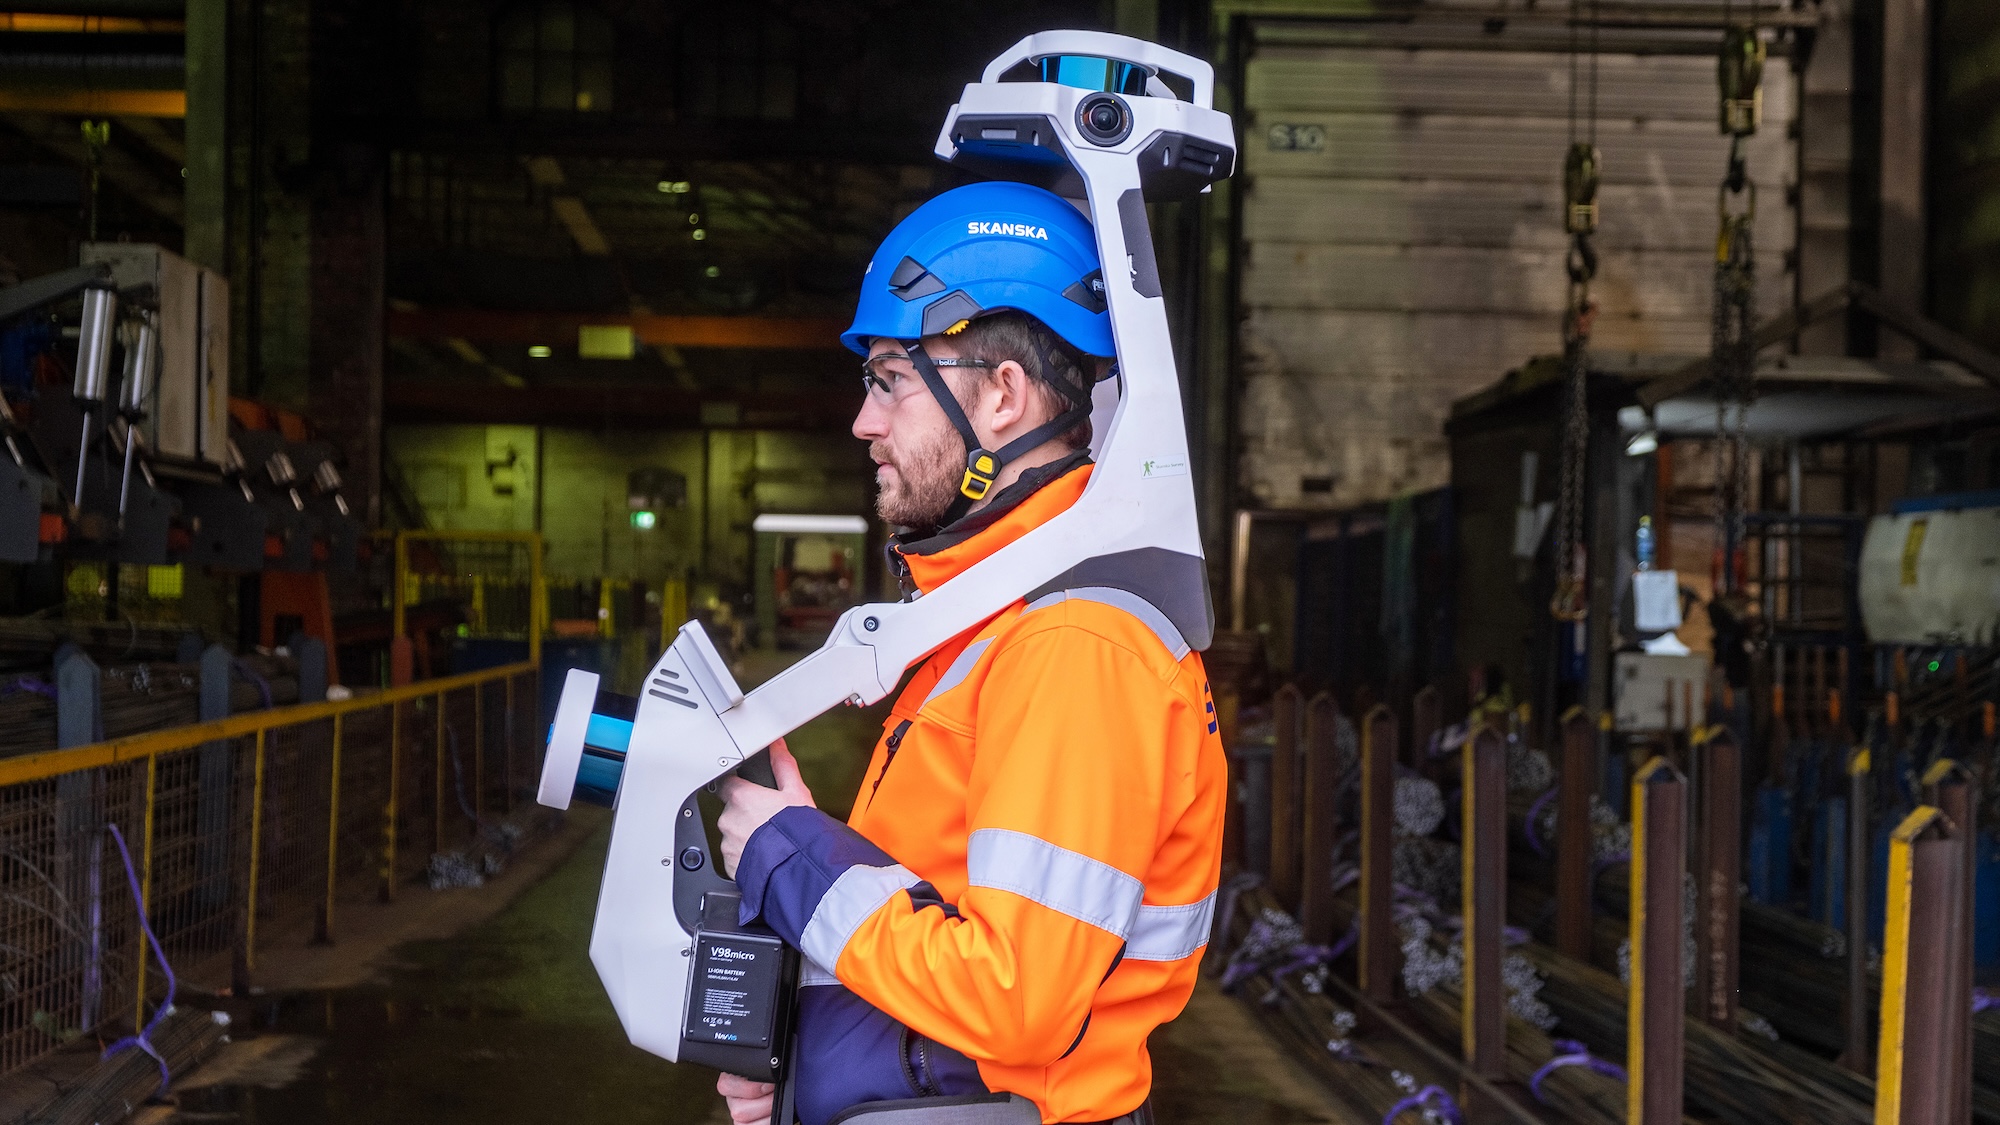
x: 871, y: 423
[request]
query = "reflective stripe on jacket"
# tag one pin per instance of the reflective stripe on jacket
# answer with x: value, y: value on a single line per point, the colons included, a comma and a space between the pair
x: 1050, y: 786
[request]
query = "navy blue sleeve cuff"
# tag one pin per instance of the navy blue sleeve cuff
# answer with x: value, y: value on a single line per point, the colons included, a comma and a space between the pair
x: 790, y: 863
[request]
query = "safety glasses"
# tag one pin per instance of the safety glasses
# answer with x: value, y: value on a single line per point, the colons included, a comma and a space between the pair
x: 891, y: 377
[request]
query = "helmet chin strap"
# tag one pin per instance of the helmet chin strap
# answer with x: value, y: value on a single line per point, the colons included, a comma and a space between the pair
x: 982, y: 465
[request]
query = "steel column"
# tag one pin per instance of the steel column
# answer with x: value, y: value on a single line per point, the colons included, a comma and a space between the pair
x: 1286, y: 713
x: 1914, y: 1080
x: 1483, y: 1019
x: 1854, y: 998
x: 1426, y: 719
x: 1655, y: 1015
x: 1574, y: 850
x: 1718, y: 917
x: 1948, y: 787
x: 1379, y: 947
x: 1321, y: 818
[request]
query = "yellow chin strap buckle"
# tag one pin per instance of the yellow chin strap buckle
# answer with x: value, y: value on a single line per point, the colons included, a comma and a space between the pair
x: 980, y: 467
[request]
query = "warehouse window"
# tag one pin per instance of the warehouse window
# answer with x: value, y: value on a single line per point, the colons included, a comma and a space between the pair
x: 553, y: 58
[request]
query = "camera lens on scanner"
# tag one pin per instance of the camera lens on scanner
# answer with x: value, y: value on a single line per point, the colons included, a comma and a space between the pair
x: 1104, y: 118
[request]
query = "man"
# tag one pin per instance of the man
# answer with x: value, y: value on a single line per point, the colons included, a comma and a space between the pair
x: 1024, y: 887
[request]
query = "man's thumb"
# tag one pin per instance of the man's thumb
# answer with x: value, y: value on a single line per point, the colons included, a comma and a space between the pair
x: 785, y: 768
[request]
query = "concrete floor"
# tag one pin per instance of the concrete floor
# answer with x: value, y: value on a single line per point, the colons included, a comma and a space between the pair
x: 480, y: 1007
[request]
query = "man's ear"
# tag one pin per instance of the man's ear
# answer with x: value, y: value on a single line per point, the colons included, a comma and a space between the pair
x: 1013, y: 394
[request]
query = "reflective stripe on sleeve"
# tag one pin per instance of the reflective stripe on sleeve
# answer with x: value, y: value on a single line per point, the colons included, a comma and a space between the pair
x: 960, y: 668
x: 1169, y: 933
x: 859, y: 892
x: 1087, y: 890
x: 812, y: 976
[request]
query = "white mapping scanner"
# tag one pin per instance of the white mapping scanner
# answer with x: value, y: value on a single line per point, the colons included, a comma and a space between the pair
x: 1061, y: 109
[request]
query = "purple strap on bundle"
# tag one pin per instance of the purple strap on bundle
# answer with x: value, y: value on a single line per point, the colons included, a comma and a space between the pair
x: 1307, y: 956
x: 1534, y: 818
x: 1572, y: 1053
x: 1984, y: 1000
x: 1431, y: 1097
x: 36, y: 686
x: 144, y: 1040
x: 1240, y: 966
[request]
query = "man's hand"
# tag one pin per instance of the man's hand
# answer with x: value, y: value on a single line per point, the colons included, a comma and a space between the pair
x: 749, y: 1102
x: 746, y: 805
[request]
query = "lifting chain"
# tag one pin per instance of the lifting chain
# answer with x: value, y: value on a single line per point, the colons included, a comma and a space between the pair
x: 1580, y: 182
x: 1733, y: 355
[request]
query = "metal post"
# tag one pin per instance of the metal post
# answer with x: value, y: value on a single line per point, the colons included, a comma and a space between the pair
x: 396, y: 597
x: 1948, y: 787
x: 1574, y: 850
x: 1854, y: 998
x: 332, y: 836
x: 1483, y: 1020
x: 146, y: 886
x: 1286, y: 706
x: 478, y: 753
x: 1321, y: 819
x: 395, y: 796
x: 1655, y: 1015
x: 1426, y: 719
x: 256, y: 852
x: 1915, y: 1083
x: 1379, y: 947
x: 507, y: 751
x: 437, y: 790
x: 1718, y: 916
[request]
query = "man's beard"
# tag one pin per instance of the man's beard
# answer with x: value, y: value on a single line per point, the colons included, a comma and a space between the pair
x: 926, y: 482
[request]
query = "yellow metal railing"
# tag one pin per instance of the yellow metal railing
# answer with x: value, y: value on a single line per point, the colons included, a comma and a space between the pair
x: 259, y: 823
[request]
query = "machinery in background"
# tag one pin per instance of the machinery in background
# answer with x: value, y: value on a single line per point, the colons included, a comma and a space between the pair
x: 1930, y: 571
x: 807, y: 575
x: 130, y: 450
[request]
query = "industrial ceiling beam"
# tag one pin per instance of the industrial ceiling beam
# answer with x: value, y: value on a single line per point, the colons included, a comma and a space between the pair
x: 556, y: 328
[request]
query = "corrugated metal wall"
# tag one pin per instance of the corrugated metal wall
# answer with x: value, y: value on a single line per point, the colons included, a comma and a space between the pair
x: 1417, y: 253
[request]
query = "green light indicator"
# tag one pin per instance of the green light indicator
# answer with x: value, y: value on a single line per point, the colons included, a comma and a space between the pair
x: 1935, y: 665
x: 644, y: 520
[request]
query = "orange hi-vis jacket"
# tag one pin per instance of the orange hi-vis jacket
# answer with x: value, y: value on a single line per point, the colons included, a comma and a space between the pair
x: 1048, y: 797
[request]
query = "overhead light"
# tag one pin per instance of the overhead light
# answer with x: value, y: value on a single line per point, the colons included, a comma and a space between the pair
x: 666, y: 187
x: 540, y: 351
x: 699, y: 234
x: 674, y: 187
x: 606, y: 341
x: 1642, y: 443
x: 712, y: 271
x: 694, y: 220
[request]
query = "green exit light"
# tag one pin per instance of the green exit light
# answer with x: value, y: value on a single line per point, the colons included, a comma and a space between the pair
x: 644, y: 520
x: 1935, y: 665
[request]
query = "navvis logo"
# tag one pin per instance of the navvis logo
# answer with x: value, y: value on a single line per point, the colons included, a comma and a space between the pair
x: 1018, y: 230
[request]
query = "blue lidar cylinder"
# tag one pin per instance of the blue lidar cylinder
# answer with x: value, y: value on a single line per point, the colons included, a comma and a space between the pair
x: 605, y: 740
x: 603, y: 761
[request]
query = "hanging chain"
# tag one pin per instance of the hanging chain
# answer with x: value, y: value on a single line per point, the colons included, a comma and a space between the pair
x: 96, y: 135
x: 1733, y: 354
x: 1581, y: 177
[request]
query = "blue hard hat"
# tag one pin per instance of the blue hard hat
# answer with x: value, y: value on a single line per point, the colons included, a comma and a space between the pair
x: 981, y: 249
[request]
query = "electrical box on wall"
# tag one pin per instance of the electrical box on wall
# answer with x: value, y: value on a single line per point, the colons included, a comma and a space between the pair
x: 189, y: 415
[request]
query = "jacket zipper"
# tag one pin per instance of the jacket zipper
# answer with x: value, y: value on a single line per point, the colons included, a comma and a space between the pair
x: 895, y: 741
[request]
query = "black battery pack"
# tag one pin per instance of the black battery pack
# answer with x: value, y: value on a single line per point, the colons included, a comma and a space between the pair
x: 739, y: 999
